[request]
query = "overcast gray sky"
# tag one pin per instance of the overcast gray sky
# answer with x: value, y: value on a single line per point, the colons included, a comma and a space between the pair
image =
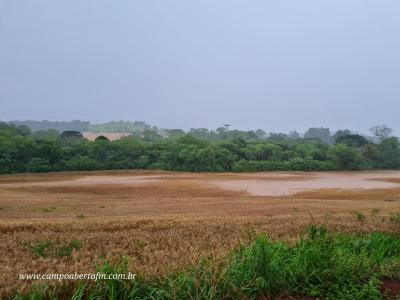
x: 275, y: 65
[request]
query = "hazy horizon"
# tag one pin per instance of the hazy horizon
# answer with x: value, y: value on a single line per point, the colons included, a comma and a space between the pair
x: 267, y: 130
x: 277, y: 66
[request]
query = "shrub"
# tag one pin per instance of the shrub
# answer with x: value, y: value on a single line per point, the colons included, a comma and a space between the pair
x: 321, y: 265
x: 360, y: 216
x: 395, y: 218
x: 47, y: 249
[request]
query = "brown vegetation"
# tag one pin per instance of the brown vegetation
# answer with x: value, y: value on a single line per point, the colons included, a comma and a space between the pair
x: 165, y: 221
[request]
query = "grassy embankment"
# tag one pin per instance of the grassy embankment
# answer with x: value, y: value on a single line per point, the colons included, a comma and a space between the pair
x: 320, y: 265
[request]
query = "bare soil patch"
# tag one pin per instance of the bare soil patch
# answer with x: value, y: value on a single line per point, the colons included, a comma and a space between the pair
x: 112, y: 136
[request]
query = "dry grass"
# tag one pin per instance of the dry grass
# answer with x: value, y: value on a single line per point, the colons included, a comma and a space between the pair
x: 165, y: 225
x: 153, y: 246
x: 366, y: 196
x: 45, y: 177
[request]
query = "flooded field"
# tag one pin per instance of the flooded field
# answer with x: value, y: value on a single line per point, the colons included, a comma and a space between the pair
x: 282, y: 184
x: 167, y: 220
x: 168, y: 194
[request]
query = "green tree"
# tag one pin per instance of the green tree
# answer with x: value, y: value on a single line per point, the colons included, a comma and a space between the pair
x: 339, y: 134
x: 50, y: 134
x: 101, y: 138
x: 346, y: 158
x: 320, y: 133
x: 389, y: 154
x: 352, y: 140
x: 71, y: 138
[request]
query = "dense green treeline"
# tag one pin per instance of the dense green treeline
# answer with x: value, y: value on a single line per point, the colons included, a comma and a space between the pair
x: 22, y: 151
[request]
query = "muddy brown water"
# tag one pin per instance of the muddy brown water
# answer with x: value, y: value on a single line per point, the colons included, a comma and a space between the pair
x: 283, y: 185
x: 259, y: 184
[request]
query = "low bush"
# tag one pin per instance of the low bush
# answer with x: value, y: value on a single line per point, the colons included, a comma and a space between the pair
x: 46, y: 249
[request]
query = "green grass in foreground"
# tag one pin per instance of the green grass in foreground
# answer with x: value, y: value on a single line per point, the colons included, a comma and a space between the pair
x: 47, y: 249
x: 321, y: 264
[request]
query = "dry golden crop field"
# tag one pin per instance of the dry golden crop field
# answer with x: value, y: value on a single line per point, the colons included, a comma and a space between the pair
x: 165, y: 221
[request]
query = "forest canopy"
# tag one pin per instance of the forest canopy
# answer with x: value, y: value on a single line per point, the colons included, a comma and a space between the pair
x: 198, y: 150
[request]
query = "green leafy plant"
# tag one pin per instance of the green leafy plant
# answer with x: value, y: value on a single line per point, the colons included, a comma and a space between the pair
x: 47, y: 249
x: 395, y: 218
x: 360, y: 216
x: 375, y: 211
x: 321, y: 264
